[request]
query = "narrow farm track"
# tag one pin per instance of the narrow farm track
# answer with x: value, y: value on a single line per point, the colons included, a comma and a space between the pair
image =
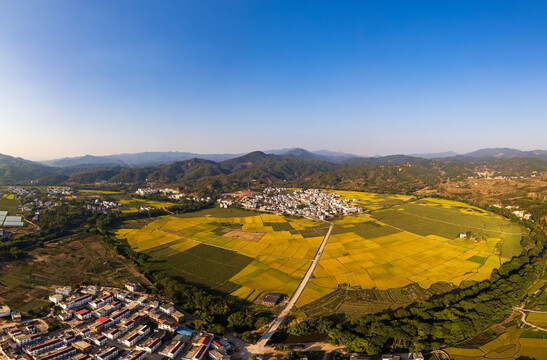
x: 259, y: 347
x: 533, y: 311
x: 236, y: 251
x: 523, y: 319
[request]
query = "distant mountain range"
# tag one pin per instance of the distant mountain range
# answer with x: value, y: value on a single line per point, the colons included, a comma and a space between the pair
x: 436, y: 155
x: 507, y: 153
x: 159, y: 158
x: 135, y: 160
x: 284, y: 164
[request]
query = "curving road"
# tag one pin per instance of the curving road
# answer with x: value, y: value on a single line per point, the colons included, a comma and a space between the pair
x: 523, y: 319
x: 259, y: 347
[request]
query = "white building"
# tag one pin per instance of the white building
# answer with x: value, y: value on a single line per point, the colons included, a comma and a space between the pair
x: 5, y: 311
x: 56, y: 298
x: 63, y: 290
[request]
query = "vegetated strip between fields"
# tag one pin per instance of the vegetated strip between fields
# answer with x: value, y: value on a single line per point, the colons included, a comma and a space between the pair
x: 236, y: 251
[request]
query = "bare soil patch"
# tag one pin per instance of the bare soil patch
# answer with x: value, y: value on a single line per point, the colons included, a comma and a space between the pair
x: 245, y: 235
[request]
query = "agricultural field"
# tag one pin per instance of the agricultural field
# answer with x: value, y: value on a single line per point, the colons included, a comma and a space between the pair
x: 372, y: 201
x: 538, y: 319
x: 234, y: 251
x: 26, y: 283
x: 416, y: 242
x: 509, y: 345
x: 409, y: 242
x: 133, y: 205
x: 99, y: 192
x: 9, y: 203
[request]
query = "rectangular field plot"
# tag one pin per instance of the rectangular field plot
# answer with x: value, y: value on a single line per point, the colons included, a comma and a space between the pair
x: 204, y: 264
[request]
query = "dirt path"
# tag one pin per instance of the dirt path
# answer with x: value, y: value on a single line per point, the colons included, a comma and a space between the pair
x: 523, y: 319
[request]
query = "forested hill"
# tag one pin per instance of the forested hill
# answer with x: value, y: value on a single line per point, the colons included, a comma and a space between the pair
x: 254, y: 166
x: 14, y: 170
x: 398, y: 173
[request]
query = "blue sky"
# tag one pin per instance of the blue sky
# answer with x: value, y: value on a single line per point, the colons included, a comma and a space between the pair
x: 366, y: 77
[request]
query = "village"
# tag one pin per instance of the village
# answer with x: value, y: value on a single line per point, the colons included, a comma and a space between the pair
x: 104, y: 323
x: 312, y: 203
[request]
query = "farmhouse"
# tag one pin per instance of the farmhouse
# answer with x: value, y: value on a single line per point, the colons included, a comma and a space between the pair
x: 56, y: 298
x: 16, y: 316
x: 271, y: 299
x: 131, y: 287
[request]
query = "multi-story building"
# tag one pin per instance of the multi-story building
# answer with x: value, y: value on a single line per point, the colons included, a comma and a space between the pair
x: 60, y: 355
x: 83, y: 314
x: 63, y: 290
x: 99, y: 341
x: 108, y: 354
x: 173, y: 349
x: 28, y: 340
x: 44, y: 347
x: 79, y: 302
x: 98, y: 303
x: 139, y: 355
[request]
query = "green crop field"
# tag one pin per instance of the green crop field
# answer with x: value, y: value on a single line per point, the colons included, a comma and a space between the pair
x: 509, y: 345
x: 244, y: 253
x: 9, y: 203
x: 99, y: 192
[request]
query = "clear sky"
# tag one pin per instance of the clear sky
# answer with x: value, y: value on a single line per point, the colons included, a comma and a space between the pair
x: 367, y: 77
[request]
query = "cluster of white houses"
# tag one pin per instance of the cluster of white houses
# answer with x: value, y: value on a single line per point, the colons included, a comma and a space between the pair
x: 110, y: 323
x: 312, y: 203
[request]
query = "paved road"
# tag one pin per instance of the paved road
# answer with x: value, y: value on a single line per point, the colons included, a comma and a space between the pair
x: 524, y: 318
x: 259, y: 347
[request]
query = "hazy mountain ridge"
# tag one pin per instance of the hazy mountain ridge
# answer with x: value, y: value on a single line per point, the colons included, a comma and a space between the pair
x: 439, y: 155
x: 504, y: 153
x: 292, y: 164
x: 135, y: 160
x: 159, y: 158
